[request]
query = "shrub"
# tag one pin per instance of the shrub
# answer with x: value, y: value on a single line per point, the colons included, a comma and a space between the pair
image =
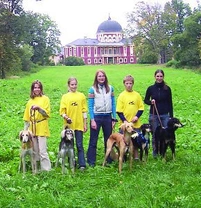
x: 73, y: 61
x: 174, y: 64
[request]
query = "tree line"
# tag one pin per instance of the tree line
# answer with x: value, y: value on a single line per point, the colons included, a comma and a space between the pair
x: 166, y: 34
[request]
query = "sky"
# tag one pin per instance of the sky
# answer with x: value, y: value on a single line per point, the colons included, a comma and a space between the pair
x: 81, y: 18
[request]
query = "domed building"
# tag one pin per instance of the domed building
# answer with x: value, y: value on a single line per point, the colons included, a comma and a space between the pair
x: 109, y: 47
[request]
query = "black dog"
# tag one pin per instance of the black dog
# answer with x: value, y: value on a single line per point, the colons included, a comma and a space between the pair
x: 165, y: 137
x: 142, y: 142
x: 66, y: 149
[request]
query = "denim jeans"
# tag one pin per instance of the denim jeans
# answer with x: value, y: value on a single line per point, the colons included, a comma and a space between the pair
x: 154, y: 121
x: 104, y: 121
x: 80, y: 148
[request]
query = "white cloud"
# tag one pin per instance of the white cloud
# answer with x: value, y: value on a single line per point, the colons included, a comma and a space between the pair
x: 79, y: 18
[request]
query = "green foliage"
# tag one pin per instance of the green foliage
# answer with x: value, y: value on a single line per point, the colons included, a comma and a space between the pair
x: 152, y: 184
x: 148, y: 57
x: 22, y: 33
x: 26, y: 52
x: 173, y: 64
x: 169, y: 32
x: 73, y: 61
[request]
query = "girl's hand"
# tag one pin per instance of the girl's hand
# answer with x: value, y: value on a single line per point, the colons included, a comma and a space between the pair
x: 93, y: 124
x: 153, y: 101
x: 135, y: 119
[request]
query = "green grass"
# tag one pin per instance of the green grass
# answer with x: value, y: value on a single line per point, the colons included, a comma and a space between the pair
x: 155, y: 184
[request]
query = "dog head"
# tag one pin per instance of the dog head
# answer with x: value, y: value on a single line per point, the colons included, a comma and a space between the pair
x: 174, y: 123
x: 146, y: 128
x: 127, y: 127
x: 67, y: 134
x: 25, y: 136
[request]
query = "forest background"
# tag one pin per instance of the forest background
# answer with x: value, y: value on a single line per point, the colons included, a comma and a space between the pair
x: 161, y: 34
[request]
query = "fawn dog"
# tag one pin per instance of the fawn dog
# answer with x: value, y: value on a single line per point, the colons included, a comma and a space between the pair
x: 26, y: 149
x: 122, y: 142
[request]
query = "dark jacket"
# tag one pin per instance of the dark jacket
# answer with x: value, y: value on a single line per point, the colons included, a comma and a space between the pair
x: 162, y: 95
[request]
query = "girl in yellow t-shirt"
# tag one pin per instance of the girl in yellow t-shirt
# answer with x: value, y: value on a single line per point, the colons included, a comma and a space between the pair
x: 73, y: 108
x: 36, y: 116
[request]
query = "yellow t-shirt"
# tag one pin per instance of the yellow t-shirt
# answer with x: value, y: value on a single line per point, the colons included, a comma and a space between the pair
x: 129, y: 103
x: 74, y: 104
x: 41, y: 126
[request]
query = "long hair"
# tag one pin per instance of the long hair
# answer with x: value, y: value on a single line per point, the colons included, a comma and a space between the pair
x: 162, y: 72
x: 95, y: 84
x: 32, y: 95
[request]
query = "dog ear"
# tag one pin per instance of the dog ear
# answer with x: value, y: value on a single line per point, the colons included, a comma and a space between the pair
x: 123, y: 127
x: 30, y: 135
x: 20, y: 135
x: 63, y: 134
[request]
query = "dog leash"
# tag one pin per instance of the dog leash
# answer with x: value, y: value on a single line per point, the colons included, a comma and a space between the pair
x: 33, y: 121
x: 155, y: 108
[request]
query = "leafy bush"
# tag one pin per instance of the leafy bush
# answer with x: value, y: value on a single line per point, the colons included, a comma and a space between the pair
x: 148, y: 57
x: 174, y: 64
x: 73, y: 61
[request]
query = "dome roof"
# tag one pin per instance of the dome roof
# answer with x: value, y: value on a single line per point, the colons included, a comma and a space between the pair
x: 109, y: 26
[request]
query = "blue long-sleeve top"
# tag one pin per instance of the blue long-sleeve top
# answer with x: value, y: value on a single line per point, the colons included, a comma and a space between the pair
x: 101, y: 103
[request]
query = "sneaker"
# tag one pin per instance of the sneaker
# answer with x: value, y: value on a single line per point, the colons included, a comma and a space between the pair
x: 82, y: 169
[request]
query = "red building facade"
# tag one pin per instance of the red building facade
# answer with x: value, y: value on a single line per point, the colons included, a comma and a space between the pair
x: 109, y: 47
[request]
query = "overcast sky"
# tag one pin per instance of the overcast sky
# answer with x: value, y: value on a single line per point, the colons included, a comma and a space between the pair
x: 79, y: 18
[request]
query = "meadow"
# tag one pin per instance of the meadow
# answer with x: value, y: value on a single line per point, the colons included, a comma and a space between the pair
x: 154, y: 184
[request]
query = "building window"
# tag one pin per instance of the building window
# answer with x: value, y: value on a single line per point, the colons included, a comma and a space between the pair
x: 89, y: 51
x: 110, y: 50
x: 82, y: 51
x: 74, y: 52
x: 120, y: 60
x: 125, y: 51
x: 89, y: 61
x: 95, y: 61
x: 131, y: 60
x: 66, y: 52
x: 131, y: 50
x: 95, y: 51
x: 100, y: 61
x: 70, y: 51
x: 125, y: 60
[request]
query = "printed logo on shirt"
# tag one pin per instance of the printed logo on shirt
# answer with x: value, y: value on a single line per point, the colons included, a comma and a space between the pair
x: 74, y: 104
x: 131, y: 103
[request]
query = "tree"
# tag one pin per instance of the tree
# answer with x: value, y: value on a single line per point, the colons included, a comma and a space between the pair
x: 186, y: 45
x: 147, y: 29
x: 9, y: 60
x: 43, y: 35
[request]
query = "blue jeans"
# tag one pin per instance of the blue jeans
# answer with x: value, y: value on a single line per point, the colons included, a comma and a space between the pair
x: 154, y: 121
x: 80, y: 148
x: 105, y: 122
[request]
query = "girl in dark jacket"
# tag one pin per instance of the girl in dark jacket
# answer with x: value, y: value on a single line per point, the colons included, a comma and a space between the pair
x: 159, y: 97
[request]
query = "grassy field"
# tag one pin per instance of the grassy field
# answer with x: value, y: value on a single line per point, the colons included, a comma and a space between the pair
x: 154, y: 184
